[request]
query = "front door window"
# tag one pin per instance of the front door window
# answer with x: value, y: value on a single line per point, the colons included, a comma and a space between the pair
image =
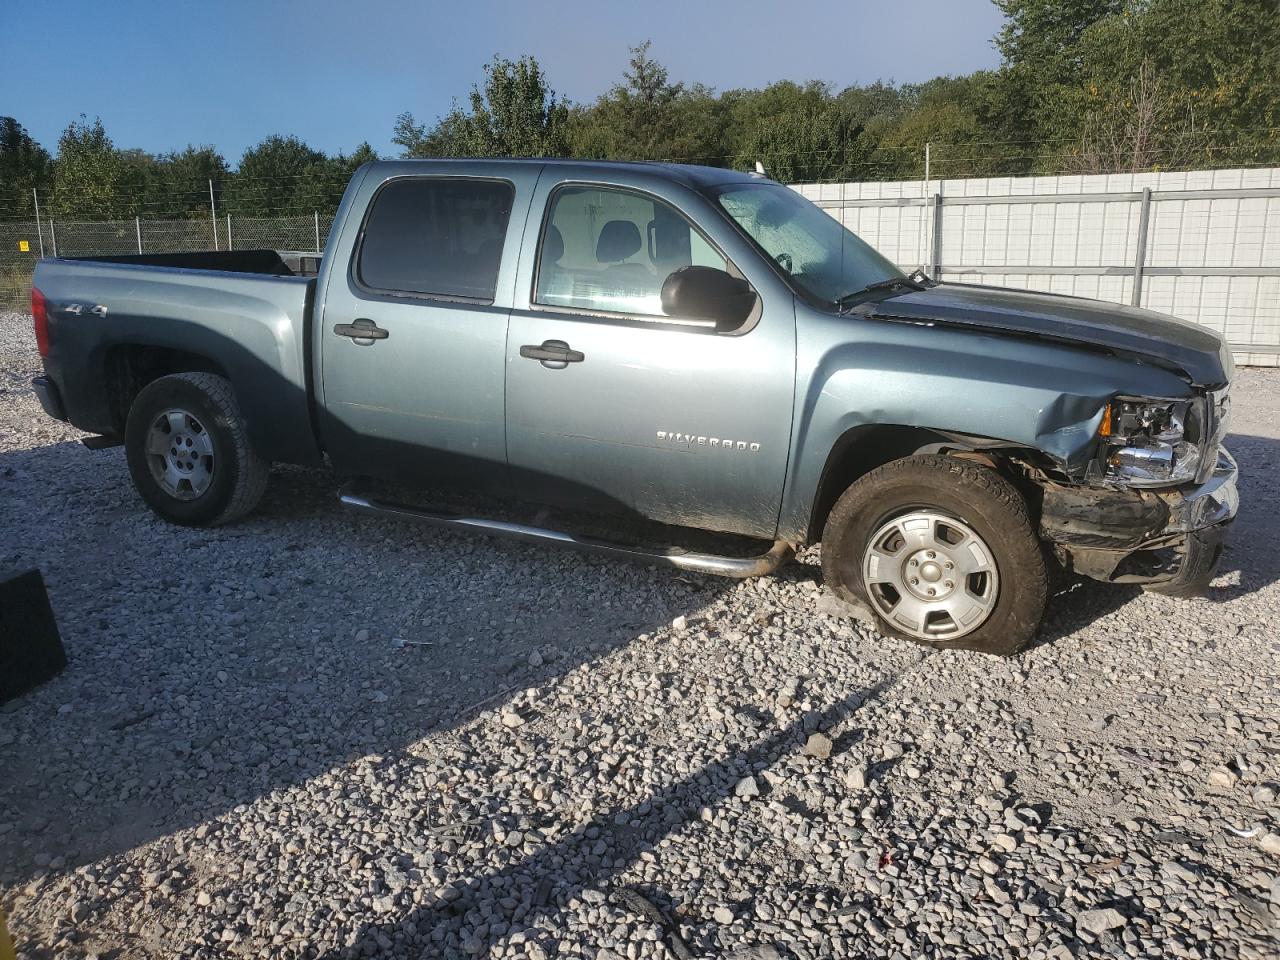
x: 610, y: 251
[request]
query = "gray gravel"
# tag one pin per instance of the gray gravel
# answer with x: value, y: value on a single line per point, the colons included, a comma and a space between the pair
x: 317, y: 735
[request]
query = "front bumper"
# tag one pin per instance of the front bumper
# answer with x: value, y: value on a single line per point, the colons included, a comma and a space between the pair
x: 1162, y: 539
x: 49, y: 397
x: 1213, y: 502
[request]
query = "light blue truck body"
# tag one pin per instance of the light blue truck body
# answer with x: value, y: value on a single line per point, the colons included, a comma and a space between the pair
x: 749, y: 431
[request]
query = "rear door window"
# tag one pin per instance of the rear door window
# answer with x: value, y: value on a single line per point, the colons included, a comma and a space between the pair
x: 610, y: 251
x: 435, y: 237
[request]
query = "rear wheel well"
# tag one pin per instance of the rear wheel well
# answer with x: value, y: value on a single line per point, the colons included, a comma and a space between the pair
x: 130, y: 367
x: 863, y: 449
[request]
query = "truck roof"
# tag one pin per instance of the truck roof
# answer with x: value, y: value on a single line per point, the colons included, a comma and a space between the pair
x: 689, y: 174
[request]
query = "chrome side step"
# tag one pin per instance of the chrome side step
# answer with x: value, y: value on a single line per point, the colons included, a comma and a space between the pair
x: 739, y: 567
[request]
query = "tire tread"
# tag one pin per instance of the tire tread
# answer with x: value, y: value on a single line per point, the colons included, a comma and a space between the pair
x: 251, y: 470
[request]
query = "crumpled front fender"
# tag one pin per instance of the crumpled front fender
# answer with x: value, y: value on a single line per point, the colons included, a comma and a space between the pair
x: 1022, y: 392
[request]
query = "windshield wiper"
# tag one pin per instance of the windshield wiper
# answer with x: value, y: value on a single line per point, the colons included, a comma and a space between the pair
x: 888, y: 283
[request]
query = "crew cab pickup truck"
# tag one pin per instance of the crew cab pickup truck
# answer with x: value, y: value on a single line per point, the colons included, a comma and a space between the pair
x: 693, y: 346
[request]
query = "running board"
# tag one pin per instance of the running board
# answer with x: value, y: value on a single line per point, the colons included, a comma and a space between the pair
x: 738, y: 567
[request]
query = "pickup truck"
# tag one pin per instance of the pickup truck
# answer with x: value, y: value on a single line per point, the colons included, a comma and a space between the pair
x: 693, y: 346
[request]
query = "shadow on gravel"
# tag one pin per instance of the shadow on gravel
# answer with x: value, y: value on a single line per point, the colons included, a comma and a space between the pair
x: 132, y: 744
x: 1251, y: 545
x: 540, y: 882
x: 211, y: 668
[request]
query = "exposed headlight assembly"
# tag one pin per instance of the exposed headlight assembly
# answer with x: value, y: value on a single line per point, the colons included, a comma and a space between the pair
x: 1153, y: 443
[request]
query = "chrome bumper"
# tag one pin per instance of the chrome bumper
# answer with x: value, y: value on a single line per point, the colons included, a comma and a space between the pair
x: 1165, y: 540
x: 1213, y: 502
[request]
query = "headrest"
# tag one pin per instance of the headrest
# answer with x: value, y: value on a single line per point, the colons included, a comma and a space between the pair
x: 553, y: 245
x: 618, y: 240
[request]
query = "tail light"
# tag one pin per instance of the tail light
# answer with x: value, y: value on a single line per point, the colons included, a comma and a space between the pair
x: 40, y: 315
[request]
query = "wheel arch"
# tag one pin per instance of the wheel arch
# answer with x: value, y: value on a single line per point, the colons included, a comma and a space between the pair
x: 277, y: 414
x: 129, y: 367
x: 863, y: 448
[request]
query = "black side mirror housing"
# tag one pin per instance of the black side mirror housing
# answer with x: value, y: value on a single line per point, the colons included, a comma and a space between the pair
x: 706, y: 293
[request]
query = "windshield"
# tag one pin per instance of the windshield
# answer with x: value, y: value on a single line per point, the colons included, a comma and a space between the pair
x: 822, y: 257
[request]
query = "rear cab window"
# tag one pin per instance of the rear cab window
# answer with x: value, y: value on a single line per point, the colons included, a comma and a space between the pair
x: 435, y: 237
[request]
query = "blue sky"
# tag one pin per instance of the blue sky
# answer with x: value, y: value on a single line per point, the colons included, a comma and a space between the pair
x: 165, y: 73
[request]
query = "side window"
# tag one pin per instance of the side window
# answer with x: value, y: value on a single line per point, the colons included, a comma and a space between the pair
x: 435, y: 237
x: 610, y: 250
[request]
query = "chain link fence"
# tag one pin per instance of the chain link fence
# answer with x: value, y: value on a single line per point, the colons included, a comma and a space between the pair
x: 22, y: 243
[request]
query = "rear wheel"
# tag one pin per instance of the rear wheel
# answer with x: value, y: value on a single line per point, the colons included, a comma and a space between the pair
x: 189, y: 453
x: 944, y: 553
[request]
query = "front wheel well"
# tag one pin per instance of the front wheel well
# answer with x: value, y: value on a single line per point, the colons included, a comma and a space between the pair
x: 862, y: 449
x: 130, y: 367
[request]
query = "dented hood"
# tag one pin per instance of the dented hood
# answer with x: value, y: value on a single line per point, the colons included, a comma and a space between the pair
x: 1200, y: 354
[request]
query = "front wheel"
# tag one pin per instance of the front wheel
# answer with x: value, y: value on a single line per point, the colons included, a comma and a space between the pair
x: 943, y: 551
x: 188, y: 451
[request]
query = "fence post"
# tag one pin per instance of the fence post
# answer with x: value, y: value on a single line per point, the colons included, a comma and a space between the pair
x: 39, y: 232
x: 53, y: 237
x: 922, y: 234
x: 317, y: 216
x: 137, y: 225
x: 1140, y: 253
x: 213, y: 216
x: 228, y: 231
x: 936, y: 254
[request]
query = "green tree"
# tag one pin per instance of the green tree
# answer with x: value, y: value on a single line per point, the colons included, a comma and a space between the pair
x: 1181, y: 83
x: 177, y: 184
x: 92, y: 179
x: 24, y: 166
x: 515, y: 114
x: 648, y: 117
x: 799, y: 132
x: 322, y: 189
x: 1142, y: 84
x: 279, y: 176
x: 965, y: 122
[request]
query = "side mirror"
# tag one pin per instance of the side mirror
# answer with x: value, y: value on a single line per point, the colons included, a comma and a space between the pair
x: 705, y: 293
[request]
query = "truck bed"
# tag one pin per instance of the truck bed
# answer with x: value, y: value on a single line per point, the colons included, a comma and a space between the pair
x: 245, y: 311
x: 275, y: 263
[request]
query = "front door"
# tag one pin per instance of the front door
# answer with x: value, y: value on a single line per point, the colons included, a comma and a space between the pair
x: 615, y: 404
x: 413, y: 335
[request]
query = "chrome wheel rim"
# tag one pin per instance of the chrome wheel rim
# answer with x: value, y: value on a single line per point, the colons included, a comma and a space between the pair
x: 180, y: 454
x: 931, y: 576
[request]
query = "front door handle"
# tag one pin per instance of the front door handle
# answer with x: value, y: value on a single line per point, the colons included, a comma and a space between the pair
x: 552, y: 353
x: 361, y: 329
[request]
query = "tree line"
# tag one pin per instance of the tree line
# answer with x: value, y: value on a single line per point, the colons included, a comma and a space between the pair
x: 1084, y: 86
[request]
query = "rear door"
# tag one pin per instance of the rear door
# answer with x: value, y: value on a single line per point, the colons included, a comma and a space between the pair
x: 644, y: 414
x: 413, y: 331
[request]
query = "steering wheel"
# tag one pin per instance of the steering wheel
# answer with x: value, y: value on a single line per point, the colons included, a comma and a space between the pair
x: 785, y: 261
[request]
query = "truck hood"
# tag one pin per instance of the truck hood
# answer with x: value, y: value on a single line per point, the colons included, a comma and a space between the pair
x: 1199, y: 354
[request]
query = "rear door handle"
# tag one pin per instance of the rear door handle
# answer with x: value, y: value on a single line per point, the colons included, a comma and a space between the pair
x: 552, y: 353
x: 361, y: 329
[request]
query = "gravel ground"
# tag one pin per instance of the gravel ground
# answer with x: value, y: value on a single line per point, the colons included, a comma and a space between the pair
x: 319, y: 735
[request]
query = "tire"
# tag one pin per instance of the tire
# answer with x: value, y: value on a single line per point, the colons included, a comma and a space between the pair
x: 221, y: 479
x: 955, y: 500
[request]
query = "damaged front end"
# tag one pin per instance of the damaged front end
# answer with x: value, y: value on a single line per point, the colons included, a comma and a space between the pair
x: 1156, y: 499
x: 1168, y: 538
